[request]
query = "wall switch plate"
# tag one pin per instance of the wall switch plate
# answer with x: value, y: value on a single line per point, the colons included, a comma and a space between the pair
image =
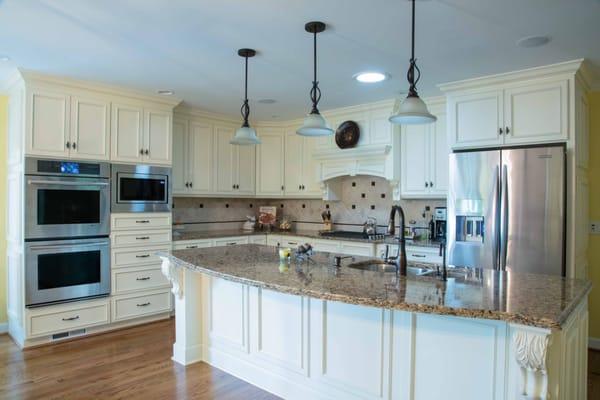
x: 595, y: 227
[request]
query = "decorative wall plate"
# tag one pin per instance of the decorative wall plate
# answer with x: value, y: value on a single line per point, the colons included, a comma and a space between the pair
x: 347, y: 134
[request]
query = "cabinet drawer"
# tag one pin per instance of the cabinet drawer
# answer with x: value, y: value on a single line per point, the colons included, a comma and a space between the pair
x: 358, y: 249
x: 141, y: 221
x: 231, y: 241
x: 132, y: 279
x: 124, y: 239
x: 192, y: 244
x: 63, y: 320
x: 292, y: 241
x: 422, y: 254
x: 127, y: 307
x: 257, y: 239
x: 137, y: 256
x: 330, y: 246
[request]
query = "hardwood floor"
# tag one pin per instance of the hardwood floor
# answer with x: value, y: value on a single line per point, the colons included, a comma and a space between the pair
x: 134, y: 364
x: 129, y: 364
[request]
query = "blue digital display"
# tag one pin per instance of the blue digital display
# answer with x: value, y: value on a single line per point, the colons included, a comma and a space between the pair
x: 69, y: 167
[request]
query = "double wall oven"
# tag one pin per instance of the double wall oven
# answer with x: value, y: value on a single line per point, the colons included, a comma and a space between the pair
x: 67, y: 226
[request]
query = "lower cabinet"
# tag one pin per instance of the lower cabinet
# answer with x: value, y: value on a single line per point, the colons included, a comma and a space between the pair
x: 139, y: 305
x: 67, y: 317
x: 125, y: 280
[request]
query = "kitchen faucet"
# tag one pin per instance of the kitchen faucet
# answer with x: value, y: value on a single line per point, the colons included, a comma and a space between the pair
x: 400, y: 259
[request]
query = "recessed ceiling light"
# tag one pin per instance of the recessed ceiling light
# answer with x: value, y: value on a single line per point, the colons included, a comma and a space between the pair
x: 166, y: 92
x: 4, y: 58
x: 371, y: 77
x: 533, y: 41
x: 267, y: 101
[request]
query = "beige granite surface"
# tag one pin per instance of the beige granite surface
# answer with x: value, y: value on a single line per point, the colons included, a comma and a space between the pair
x: 200, y: 235
x: 537, y: 300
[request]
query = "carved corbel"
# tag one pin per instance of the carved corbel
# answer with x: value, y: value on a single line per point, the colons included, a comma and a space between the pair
x: 531, y: 353
x: 174, y: 275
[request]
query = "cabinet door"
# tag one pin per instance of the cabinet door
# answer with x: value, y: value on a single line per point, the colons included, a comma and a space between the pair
x: 439, y: 151
x: 246, y: 169
x: 126, y: 133
x: 414, y: 155
x: 270, y: 163
x: 181, y: 164
x: 48, y: 130
x: 90, y: 128
x: 224, y: 163
x: 157, y: 137
x: 310, y: 169
x: 475, y: 119
x: 201, y: 158
x: 293, y: 163
x: 536, y: 112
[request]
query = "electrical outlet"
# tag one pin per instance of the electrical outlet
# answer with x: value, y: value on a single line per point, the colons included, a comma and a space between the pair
x: 595, y: 227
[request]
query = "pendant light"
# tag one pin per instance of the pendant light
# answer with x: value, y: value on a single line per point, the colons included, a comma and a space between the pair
x: 412, y: 110
x: 245, y: 135
x: 314, y: 123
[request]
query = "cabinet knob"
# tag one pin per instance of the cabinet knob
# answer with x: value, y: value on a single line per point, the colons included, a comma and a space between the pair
x: 500, y: 131
x: 74, y: 145
x: 146, y: 152
x: 430, y: 184
x: 282, y: 187
x: 191, y: 184
x: 507, y: 130
x: 426, y: 184
x: 299, y: 187
x: 68, y: 145
x: 187, y: 184
x: 142, y: 151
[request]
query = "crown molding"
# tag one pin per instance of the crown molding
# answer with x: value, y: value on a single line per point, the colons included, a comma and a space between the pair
x: 568, y: 67
x: 33, y: 77
x: 189, y: 111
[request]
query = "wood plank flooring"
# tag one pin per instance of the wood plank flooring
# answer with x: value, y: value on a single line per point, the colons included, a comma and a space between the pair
x: 129, y: 364
x: 134, y: 364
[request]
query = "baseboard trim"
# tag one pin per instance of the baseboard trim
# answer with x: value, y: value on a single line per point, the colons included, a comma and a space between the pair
x: 594, y: 343
x: 3, y: 327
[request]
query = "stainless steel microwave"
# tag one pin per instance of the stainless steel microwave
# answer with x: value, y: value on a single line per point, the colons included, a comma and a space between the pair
x: 140, y: 188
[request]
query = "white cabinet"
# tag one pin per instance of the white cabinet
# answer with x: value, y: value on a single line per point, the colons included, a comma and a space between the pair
x: 424, y: 159
x: 234, y: 165
x: 192, y: 157
x: 90, y: 128
x: 300, y: 168
x: 270, y: 163
x: 65, y: 126
x: 141, y: 135
x: 518, y: 113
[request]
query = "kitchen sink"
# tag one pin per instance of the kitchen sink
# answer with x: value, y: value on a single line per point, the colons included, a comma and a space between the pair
x: 381, y: 266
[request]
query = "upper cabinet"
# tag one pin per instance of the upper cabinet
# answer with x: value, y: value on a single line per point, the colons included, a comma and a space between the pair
x: 527, y: 112
x: 192, y: 157
x: 65, y: 126
x: 270, y: 158
x: 234, y: 165
x: 424, y: 158
x: 83, y: 121
x: 301, y: 170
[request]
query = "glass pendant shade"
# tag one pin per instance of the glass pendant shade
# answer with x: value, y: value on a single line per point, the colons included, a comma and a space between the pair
x: 245, y: 135
x: 314, y: 125
x: 412, y: 111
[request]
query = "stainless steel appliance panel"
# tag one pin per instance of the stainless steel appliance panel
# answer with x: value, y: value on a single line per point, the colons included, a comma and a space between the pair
x: 66, y: 270
x: 533, y: 210
x: 141, y: 188
x: 473, y: 209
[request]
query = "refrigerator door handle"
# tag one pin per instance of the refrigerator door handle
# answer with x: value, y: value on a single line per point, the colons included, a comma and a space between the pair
x: 504, y: 219
x: 496, y: 220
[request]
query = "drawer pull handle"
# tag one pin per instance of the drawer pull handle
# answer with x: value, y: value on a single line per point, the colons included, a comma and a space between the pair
x: 231, y: 243
x: 293, y: 243
x: 71, y: 318
x: 143, y: 304
x: 142, y: 238
x: 191, y: 247
x: 143, y: 221
x: 418, y: 255
x: 142, y: 255
x: 145, y: 278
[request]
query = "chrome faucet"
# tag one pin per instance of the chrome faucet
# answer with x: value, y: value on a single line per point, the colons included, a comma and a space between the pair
x: 400, y: 259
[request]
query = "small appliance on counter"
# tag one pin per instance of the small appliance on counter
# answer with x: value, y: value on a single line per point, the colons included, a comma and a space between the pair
x: 439, y: 220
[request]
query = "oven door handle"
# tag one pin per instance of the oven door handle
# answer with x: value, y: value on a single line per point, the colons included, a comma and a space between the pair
x: 66, y: 245
x: 65, y: 183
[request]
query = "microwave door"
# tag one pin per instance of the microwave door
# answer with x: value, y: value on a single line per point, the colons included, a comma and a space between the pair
x: 473, y: 209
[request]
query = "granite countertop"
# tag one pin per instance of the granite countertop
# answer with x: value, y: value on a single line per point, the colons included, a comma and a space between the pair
x: 543, y: 301
x: 191, y: 235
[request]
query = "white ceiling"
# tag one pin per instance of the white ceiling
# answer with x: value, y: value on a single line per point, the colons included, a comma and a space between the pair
x: 190, y: 46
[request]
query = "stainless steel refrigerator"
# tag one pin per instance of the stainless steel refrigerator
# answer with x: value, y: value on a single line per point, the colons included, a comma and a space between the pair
x: 506, y: 209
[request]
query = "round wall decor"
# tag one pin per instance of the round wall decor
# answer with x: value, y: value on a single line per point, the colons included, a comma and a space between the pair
x: 347, y: 134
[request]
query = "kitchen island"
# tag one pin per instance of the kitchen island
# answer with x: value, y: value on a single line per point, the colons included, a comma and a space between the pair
x: 306, y: 329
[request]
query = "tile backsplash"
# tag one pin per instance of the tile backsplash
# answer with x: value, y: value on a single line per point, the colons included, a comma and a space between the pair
x: 361, y: 197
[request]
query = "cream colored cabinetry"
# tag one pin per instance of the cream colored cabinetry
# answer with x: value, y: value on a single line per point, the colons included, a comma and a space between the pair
x: 270, y: 158
x: 67, y: 126
x: 301, y: 171
x: 234, y: 165
x: 424, y: 158
x: 139, y: 289
x: 141, y: 135
x: 523, y: 112
x: 192, y: 157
